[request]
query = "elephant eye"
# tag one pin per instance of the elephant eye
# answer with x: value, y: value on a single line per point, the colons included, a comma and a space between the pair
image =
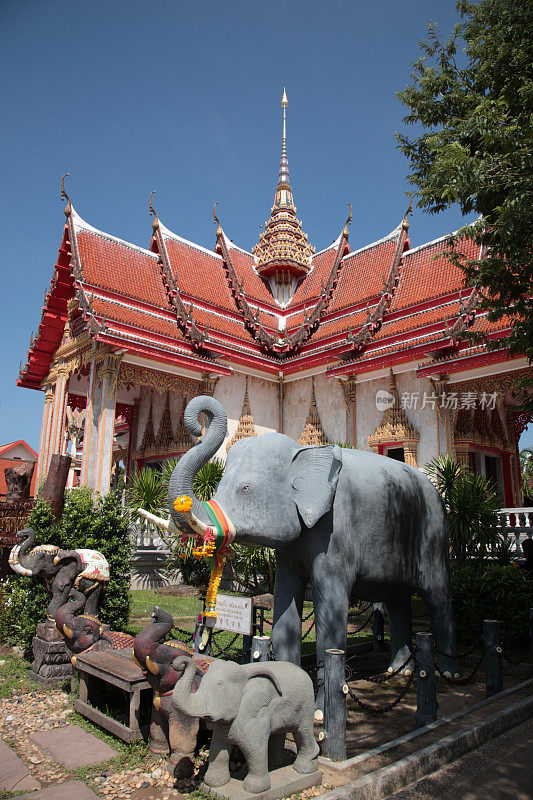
x: 245, y: 487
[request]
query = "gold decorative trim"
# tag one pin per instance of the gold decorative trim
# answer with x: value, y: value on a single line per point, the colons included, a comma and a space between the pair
x: 313, y: 432
x: 131, y: 374
x: 246, y: 427
x: 395, y: 427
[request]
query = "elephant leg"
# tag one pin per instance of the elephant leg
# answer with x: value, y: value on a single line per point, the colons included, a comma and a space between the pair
x: 218, y: 770
x: 182, y: 732
x: 331, y: 600
x: 439, y: 604
x: 158, y: 732
x: 276, y: 751
x: 288, y: 604
x: 306, y: 746
x: 401, y: 635
x: 256, y: 754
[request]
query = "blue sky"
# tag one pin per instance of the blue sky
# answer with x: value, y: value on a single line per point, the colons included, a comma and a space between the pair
x: 184, y: 97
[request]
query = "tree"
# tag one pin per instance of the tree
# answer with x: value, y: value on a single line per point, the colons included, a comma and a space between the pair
x: 473, y: 96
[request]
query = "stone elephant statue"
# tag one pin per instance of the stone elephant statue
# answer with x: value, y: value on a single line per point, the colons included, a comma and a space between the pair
x: 169, y: 727
x: 353, y: 524
x: 83, y: 632
x: 62, y: 570
x: 251, y: 706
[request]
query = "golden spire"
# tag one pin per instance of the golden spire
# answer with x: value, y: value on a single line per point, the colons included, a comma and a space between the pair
x: 283, y: 252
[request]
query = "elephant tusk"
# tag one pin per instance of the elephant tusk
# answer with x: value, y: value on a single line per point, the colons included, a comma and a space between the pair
x: 196, y: 524
x: 136, y: 661
x: 154, y: 668
x: 67, y: 631
x: 56, y: 560
x: 166, y: 524
x: 15, y: 564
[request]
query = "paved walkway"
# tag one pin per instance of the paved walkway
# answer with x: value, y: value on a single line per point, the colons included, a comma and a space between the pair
x: 501, y: 769
x: 14, y: 774
x: 73, y: 747
x: 70, y: 790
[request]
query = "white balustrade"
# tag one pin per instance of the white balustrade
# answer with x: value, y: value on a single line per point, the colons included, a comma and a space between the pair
x: 517, y: 523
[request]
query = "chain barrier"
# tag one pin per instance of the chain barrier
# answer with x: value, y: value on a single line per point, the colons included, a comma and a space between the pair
x: 388, y: 706
x: 460, y: 656
x: 364, y: 625
x: 304, y: 619
x: 225, y: 650
x: 461, y: 681
x: 362, y: 611
x: 186, y: 636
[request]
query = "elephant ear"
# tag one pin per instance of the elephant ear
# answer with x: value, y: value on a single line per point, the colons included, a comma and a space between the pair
x: 314, y: 473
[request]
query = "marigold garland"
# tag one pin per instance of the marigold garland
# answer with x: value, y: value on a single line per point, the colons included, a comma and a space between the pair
x: 214, y: 544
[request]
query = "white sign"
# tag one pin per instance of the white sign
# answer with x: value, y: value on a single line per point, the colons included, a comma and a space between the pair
x: 234, y: 614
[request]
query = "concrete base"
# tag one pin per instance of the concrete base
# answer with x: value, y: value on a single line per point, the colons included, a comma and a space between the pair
x: 284, y: 782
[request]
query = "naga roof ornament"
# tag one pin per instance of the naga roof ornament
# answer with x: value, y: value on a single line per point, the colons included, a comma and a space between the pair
x: 283, y: 254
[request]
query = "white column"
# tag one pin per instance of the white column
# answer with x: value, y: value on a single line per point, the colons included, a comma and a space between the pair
x: 44, y: 441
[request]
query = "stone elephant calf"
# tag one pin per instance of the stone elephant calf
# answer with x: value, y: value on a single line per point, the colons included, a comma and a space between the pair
x: 169, y: 727
x: 252, y: 706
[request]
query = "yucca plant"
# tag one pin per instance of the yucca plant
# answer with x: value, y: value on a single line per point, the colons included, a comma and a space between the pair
x: 472, y: 504
x: 207, y: 478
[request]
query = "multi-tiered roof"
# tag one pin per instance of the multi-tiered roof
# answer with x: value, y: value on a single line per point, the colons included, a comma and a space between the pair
x: 281, y: 309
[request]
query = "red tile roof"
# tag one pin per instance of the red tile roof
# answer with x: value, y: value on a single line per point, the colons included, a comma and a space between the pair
x: 309, y: 289
x: 427, y: 274
x: 362, y: 273
x: 5, y: 448
x: 199, y: 274
x: 120, y: 267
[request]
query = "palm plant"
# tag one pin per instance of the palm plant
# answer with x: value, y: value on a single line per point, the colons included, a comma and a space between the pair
x: 472, y: 504
x: 147, y: 491
x: 207, y: 479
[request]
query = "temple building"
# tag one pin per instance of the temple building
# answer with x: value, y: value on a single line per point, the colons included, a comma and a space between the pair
x: 360, y: 346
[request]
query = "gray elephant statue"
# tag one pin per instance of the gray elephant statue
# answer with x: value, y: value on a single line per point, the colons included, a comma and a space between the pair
x: 252, y: 706
x: 85, y: 570
x: 353, y: 524
x: 83, y: 632
x: 169, y: 728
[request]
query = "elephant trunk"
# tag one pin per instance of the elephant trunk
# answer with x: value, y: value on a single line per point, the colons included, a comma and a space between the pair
x: 150, y: 637
x: 65, y: 614
x: 188, y: 702
x: 19, y: 551
x: 181, y: 481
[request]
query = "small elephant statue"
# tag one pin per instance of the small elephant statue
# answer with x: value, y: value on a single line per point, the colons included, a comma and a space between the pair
x: 62, y: 570
x: 170, y: 729
x: 83, y: 632
x: 252, y: 706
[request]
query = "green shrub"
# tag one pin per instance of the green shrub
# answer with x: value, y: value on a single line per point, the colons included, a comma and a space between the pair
x: 100, y: 526
x: 492, y: 591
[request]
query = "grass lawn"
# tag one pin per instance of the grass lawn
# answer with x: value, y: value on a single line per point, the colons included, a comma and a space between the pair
x: 185, y: 610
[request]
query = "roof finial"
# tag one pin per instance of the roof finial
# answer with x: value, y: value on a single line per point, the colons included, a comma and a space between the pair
x: 155, y: 223
x: 64, y: 195
x: 216, y: 219
x: 405, y: 224
x: 283, y: 179
x: 348, y: 221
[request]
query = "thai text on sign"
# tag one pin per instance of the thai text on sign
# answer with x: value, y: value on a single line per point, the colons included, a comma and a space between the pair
x: 234, y: 614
